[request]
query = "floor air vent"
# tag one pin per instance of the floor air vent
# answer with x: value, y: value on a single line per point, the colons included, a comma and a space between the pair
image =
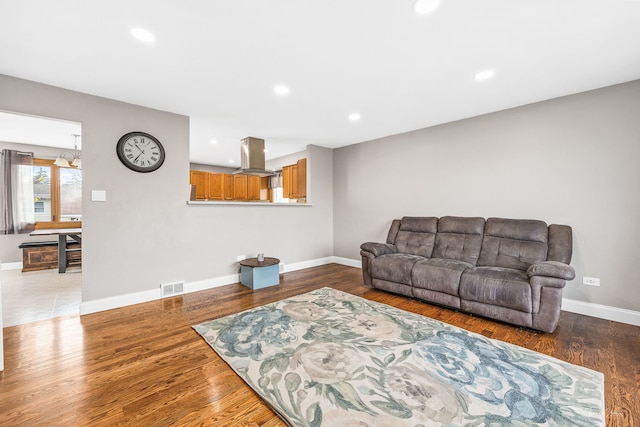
x: 171, y: 289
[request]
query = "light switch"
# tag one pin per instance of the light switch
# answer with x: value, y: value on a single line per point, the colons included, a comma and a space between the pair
x: 98, y: 196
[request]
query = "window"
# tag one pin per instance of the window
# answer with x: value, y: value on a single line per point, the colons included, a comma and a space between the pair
x: 57, y: 195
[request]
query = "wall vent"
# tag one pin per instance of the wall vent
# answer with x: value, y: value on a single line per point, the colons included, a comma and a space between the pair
x: 171, y: 289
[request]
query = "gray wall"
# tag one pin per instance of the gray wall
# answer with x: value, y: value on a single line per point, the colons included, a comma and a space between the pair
x: 145, y: 234
x: 571, y: 160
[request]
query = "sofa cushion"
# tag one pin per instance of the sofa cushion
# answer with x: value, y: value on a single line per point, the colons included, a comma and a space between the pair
x: 503, y: 287
x: 394, y: 267
x: 441, y: 275
x: 459, y: 239
x: 417, y: 236
x: 513, y: 243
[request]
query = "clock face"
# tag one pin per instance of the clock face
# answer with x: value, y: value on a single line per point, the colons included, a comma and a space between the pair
x: 140, y: 152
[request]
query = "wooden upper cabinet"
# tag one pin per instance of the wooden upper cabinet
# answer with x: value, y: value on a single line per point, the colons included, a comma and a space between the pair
x: 240, y: 187
x: 216, y: 187
x: 302, y: 178
x: 294, y: 180
x: 199, y: 179
x: 253, y: 187
x: 286, y: 182
x: 229, y: 187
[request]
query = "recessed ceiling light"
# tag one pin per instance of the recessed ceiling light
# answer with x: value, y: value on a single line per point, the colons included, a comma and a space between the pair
x: 231, y: 161
x: 281, y: 90
x: 354, y: 117
x: 143, y: 35
x: 484, y: 74
x: 425, y: 6
x: 214, y: 141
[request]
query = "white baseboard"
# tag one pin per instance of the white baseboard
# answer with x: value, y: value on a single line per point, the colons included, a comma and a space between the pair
x: 602, y: 311
x: 347, y: 261
x: 11, y: 266
x: 118, y: 301
x: 573, y: 306
x: 286, y: 268
x: 94, y: 306
x: 215, y: 282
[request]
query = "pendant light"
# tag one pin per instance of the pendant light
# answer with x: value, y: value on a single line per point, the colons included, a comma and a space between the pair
x: 76, y: 161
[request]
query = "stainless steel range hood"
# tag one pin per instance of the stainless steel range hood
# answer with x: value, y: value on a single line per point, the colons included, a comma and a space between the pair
x: 252, y: 158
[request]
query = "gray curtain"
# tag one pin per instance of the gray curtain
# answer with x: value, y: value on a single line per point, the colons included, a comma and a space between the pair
x: 275, y: 181
x: 16, y: 192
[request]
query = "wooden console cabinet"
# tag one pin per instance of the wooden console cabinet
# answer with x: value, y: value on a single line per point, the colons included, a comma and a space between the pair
x: 44, y: 255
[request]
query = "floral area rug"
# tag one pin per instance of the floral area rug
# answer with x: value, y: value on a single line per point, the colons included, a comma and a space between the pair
x: 328, y: 358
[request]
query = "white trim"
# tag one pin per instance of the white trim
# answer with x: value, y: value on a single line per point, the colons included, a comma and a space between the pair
x: 11, y: 266
x: 215, y: 282
x: 94, y: 306
x: 286, y: 268
x: 347, y: 261
x: 602, y: 311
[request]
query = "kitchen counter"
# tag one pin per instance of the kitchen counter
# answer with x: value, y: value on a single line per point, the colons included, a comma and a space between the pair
x: 237, y: 203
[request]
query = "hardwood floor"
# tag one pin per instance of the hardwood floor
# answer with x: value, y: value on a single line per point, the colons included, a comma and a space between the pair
x: 144, y: 365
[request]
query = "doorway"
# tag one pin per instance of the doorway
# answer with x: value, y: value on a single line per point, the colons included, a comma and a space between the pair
x: 43, y: 294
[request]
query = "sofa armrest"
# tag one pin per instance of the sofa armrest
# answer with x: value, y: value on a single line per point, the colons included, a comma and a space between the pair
x: 552, y: 269
x: 378, y: 249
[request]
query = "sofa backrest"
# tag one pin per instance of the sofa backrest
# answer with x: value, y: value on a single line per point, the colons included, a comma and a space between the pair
x: 560, y: 243
x: 416, y: 235
x: 459, y: 239
x: 513, y: 243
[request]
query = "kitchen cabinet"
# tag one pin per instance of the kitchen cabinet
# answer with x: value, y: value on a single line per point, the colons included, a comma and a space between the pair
x: 287, y: 172
x: 253, y: 187
x: 199, y: 179
x: 216, y: 186
x: 302, y: 178
x: 228, y: 187
x: 240, y: 187
x: 294, y: 180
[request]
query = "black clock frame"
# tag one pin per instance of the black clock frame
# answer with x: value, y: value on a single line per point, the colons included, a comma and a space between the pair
x: 123, y: 158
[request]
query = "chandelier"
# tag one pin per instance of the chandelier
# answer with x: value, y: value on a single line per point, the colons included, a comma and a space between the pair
x: 65, y: 157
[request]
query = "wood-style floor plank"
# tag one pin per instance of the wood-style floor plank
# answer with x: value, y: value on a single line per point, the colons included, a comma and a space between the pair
x: 144, y: 365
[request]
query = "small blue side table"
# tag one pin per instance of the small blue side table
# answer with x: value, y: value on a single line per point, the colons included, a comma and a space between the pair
x: 256, y: 274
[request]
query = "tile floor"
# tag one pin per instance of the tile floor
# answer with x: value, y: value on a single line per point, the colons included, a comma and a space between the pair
x: 38, y: 295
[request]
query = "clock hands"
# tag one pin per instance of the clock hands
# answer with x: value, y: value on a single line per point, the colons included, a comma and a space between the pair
x: 135, y: 143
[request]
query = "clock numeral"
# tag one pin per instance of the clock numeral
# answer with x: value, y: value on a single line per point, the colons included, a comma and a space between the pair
x: 129, y: 156
x: 155, y: 159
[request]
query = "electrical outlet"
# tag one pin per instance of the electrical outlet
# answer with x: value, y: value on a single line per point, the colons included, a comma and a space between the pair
x: 590, y: 281
x: 241, y: 258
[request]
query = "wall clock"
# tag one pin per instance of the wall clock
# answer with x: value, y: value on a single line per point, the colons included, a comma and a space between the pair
x: 140, y: 152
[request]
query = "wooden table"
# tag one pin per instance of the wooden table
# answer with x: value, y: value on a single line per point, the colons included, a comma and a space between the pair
x: 260, y: 274
x: 62, y: 233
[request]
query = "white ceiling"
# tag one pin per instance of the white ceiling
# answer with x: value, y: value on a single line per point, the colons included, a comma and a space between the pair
x: 218, y: 61
x: 32, y: 130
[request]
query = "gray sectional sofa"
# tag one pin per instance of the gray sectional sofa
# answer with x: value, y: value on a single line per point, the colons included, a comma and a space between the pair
x: 512, y: 270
